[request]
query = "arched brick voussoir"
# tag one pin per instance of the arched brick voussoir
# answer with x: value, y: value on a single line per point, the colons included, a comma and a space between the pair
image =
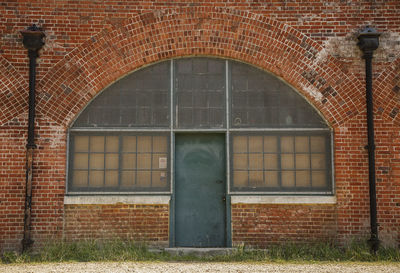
x: 221, y: 32
x: 14, y: 92
x: 386, y: 92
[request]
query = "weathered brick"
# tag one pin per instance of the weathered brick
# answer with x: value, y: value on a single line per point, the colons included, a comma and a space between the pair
x: 89, y: 45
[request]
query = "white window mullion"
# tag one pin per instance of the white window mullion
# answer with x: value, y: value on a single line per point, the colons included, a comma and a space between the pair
x: 227, y: 121
x: 171, y: 127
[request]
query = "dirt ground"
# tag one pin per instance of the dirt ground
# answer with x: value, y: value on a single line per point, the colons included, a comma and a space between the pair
x: 175, y: 267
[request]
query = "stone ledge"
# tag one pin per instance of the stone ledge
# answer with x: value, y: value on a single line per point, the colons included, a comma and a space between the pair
x: 116, y: 199
x: 249, y: 199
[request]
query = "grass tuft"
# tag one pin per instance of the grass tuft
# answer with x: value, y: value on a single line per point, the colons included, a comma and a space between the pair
x: 119, y: 250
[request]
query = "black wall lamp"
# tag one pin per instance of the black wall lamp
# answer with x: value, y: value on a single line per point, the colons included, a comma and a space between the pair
x: 33, y: 41
x: 368, y: 42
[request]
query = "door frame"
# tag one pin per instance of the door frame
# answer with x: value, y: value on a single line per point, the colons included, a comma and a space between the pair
x: 172, y: 218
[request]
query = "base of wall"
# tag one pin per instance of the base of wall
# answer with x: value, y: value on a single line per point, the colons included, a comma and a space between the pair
x: 143, y: 223
x: 260, y: 225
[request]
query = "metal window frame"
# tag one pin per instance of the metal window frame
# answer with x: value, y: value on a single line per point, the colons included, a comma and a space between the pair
x: 307, y: 191
x: 227, y: 130
x: 116, y: 190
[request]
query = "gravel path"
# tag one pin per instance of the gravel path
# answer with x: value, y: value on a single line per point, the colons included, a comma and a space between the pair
x: 148, y: 267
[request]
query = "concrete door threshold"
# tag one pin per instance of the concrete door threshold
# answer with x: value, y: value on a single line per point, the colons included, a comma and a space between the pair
x: 197, y: 251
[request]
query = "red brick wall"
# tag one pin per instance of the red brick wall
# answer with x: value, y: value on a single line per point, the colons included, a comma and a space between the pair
x: 260, y: 225
x: 12, y: 176
x: 144, y: 223
x: 311, y: 45
x: 352, y: 188
x: 48, y: 181
x: 69, y: 24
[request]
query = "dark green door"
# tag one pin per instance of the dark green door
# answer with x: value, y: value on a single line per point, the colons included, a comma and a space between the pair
x: 200, y: 190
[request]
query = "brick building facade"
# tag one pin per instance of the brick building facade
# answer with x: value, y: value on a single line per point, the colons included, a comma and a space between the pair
x: 311, y: 46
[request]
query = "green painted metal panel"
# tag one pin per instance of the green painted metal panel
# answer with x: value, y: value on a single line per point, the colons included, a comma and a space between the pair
x: 200, y: 211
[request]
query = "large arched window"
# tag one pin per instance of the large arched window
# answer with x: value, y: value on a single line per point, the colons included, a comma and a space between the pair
x: 276, y: 142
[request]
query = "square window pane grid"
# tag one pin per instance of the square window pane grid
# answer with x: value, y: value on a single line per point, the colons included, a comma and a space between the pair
x: 120, y: 162
x: 199, y: 87
x: 138, y: 100
x: 280, y: 162
x: 259, y: 100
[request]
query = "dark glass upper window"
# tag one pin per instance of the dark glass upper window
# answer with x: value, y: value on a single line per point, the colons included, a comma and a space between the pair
x: 141, y: 99
x: 200, y: 93
x: 260, y: 99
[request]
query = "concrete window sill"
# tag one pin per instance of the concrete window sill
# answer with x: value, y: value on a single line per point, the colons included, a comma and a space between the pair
x: 251, y: 199
x: 115, y: 199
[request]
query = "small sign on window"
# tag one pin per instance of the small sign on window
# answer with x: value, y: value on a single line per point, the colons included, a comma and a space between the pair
x: 162, y: 163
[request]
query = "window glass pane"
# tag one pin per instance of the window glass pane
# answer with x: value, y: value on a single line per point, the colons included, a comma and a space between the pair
x: 184, y: 66
x: 288, y: 179
x: 81, y: 143
x: 240, y: 144
x: 318, y: 161
x: 96, y: 161
x: 302, y: 144
x: 143, y: 115
x: 97, y: 143
x: 160, y: 144
x: 256, y: 178
x: 185, y: 116
x: 112, y: 144
x: 302, y: 161
x: 159, y: 179
x: 270, y: 161
x: 144, y: 143
x: 255, y: 144
x: 255, y: 161
x: 240, y: 179
x: 111, y: 179
x: 287, y: 161
x: 287, y: 144
x: 303, y: 179
x: 270, y: 144
x: 81, y: 161
x: 112, y: 161
x: 143, y: 179
x: 129, y: 144
x: 80, y: 178
x: 128, y: 161
x: 240, y: 161
x: 238, y: 117
x: 317, y: 144
x: 318, y: 179
x: 144, y: 161
x: 271, y: 179
x: 127, y: 179
x: 96, y: 179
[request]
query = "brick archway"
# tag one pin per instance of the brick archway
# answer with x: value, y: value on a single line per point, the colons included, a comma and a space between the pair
x: 387, y: 93
x: 191, y: 31
x: 13, y: 92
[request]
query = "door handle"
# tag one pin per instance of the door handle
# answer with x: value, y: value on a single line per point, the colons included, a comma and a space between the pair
x: 224, y: 198
x: 219, y: 181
